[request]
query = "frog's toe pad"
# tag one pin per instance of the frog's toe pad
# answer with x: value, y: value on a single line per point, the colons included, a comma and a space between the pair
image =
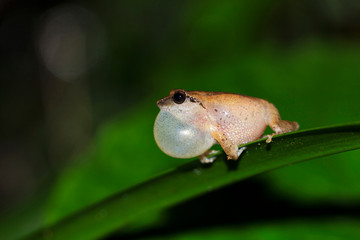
x: 205, y: 159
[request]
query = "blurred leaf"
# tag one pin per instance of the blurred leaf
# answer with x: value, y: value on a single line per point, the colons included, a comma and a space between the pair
x: 193, y: 179
x: 346, y: 229
x: 123, y: 154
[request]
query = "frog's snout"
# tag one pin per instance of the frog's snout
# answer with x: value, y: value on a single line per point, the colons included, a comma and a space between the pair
x: 163, y: 102
x: 159, y: 102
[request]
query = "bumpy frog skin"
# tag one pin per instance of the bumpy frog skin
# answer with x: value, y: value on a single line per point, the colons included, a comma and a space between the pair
x: 190, y: 122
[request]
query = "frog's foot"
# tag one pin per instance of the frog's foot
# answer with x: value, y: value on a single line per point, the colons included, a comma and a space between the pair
x: 269, y: 137
x: 204, y: 158
x: 239, y: 152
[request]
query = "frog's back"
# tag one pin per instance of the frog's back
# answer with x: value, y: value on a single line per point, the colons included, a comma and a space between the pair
x: 232, y: 101
x: 241, y: 118
x: 224, y: 97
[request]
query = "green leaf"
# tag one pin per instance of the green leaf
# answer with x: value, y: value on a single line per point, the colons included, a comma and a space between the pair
x: 193, y: 179
x: 343, y: 228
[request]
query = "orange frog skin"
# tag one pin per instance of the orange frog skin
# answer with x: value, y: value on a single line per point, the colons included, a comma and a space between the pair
x: 190, y: 122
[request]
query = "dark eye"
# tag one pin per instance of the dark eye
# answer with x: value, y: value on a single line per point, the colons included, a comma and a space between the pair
x: 179, y: 97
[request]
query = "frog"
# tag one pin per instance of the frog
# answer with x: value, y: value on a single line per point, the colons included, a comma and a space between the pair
x: 191, y: 122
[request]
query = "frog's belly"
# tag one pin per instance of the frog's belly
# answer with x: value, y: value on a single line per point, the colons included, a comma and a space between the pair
x: 241, y: 130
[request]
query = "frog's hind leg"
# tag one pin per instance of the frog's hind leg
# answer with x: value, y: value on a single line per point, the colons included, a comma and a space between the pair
x: 279, y: 126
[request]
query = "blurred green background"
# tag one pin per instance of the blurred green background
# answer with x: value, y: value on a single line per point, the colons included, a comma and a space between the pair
x: 79, y: 83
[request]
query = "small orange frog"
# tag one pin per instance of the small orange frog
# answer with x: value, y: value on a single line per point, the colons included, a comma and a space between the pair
x: 190, y: 122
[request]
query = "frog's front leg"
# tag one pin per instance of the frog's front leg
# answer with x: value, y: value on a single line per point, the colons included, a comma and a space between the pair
x: 204, y: 158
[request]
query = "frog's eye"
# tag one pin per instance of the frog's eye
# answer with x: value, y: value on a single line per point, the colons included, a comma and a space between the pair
x: 179, y: 97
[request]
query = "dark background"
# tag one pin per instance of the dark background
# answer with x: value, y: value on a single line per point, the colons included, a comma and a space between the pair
x: 79, y: 82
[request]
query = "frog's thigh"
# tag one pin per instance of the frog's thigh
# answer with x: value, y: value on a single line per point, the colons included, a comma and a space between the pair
x: 276, y: 124
x: 230, y: 148
x: 283, y: 126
